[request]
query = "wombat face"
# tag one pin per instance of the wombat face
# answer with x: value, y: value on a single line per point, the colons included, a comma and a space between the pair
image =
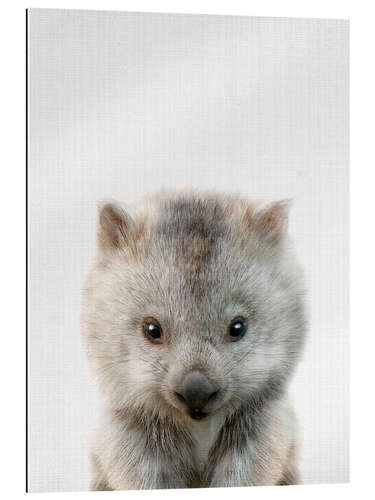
x: 195, y: 305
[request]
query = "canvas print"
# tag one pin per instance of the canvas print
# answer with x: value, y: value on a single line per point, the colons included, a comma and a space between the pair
x: 188, y: 251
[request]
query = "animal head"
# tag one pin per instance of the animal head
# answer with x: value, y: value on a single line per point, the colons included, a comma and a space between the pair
x: 194, y: 305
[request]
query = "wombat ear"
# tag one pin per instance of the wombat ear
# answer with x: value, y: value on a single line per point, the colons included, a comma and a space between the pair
x: 272, y: 220
x: 115, y: 226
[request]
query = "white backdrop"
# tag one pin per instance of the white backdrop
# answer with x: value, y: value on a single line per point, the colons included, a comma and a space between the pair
x: 121, y: 104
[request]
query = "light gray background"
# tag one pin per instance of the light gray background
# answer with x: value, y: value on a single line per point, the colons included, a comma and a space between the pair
x: 123, y: 103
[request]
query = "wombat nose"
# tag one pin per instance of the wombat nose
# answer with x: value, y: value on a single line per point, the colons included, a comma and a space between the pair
x: 196, y: 391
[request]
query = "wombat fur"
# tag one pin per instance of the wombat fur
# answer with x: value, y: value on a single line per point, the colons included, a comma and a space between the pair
x: 193, y: 321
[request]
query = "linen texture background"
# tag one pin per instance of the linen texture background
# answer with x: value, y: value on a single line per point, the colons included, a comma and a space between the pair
x: 121, y: 104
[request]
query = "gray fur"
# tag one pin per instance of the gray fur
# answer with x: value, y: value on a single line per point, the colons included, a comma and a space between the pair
x: 194, y: 262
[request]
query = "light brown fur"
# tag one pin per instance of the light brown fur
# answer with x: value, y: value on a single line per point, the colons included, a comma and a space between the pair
x: 194, y: 261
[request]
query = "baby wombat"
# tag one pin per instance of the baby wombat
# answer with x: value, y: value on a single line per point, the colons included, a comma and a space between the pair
x: 193, y: 319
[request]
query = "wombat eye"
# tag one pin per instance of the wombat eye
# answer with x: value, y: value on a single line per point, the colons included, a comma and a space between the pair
x: 237, y: 329
x: 152, y: 330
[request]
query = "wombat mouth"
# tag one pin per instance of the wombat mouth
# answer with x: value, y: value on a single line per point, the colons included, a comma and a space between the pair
x: 197, y: 414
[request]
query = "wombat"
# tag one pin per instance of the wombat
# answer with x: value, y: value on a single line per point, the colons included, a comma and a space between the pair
x: 193, y: 321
